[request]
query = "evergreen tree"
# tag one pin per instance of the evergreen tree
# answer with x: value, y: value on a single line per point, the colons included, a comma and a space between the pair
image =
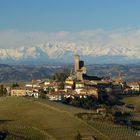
x: 3, y: 90
x: 15, y: 85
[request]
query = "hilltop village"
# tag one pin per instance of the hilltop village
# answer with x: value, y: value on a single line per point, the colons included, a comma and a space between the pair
x: 102, y: 99
x: 76, y: 84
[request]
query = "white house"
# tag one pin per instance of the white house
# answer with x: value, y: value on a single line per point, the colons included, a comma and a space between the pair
x: 55, y: 96
x: 135, y: 86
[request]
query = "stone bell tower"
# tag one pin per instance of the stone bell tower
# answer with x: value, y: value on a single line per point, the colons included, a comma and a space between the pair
x: 76, y: 63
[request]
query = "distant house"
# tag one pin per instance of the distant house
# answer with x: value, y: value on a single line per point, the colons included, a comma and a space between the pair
x: 135, y: 86
x: 68, y: 81
x: 36, y: 83
x: 54, y: 86
x: 68, y: 87
x: 18, y: 91
x: 80, y: 90
x: 32, y: 85
x: 69, y: 84
x: 93, y: 92
x: 33, y: 92
x: 55, y: 96
x: 28, y: 85
x: 127, y: 90
x: 79, y: 85
x: 88, y: 92
x: 46, y: 89
x: 117, y: 89
x: 101, y: 110
x: 46, y: 83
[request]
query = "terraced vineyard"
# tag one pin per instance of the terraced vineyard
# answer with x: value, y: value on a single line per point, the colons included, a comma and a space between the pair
x: 115, y: 132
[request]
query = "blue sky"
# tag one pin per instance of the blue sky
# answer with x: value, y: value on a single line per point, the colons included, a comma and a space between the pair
x: 68, y: 15
x: 92, y: 27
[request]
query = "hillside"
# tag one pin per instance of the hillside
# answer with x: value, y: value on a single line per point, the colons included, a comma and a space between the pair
x: 12, y: 73
x: 127, y: 72
x: 135, y: 100
x: 36, y: 120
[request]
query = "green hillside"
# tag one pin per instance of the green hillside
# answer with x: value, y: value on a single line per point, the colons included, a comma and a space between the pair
x: 135, y: 100
x: 38, y: 119
x: 25, y: 118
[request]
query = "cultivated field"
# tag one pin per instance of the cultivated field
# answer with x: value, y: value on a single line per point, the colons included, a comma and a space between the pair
x: 30, y: 119
x: 38, y: 119
x: 115, y: 132
x: 135, y: 100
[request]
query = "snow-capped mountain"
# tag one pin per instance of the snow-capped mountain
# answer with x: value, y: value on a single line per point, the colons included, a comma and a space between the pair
x: 96, y: 46
x: 64, y: 51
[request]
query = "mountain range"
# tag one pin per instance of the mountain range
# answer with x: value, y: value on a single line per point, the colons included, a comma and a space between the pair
x: 63, y: 52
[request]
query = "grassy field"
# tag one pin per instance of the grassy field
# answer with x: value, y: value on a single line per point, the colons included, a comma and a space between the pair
x: 135, y: 100
x: 29, y: 119
x: 114, y: 132
x: 38, y: 119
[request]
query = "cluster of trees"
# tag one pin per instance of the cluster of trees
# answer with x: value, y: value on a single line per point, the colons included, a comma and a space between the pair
x: 61, y: 77
x: 109, y: 99
x: 91, y: 102
x: 122, y: 117
x: 15, y: 85
x: 3, y: 90
x: 88, y: 103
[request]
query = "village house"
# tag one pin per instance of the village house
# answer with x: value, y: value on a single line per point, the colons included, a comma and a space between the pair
x: 69, y: 84
x: 127, y: 90
x: 37, y: 83
x: 18, y: 91
x: 93, y: 92
x: 88, y: 92
x: 102, y: 111
x: 117, y: 88
x: 68, y: 87
x: 46, y: 83
x: 69, y: 81
x: 32, y: 85
x: 33, y: 92
x: 56, y: 96
x: 79, y: 85
x: 135, y: 86
x: 53, y: 86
